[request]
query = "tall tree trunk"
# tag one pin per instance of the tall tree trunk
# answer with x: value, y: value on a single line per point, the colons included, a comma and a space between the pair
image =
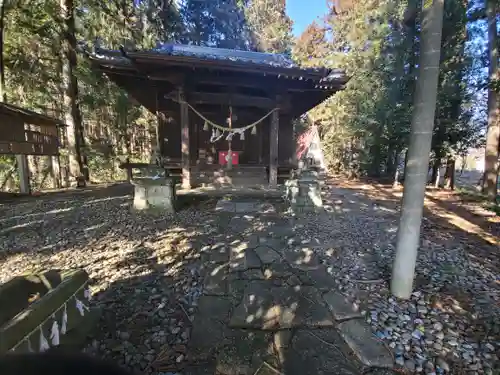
x: 350, y: 163
x: 35, y: 170
x: 391, y: 161
x: 490, y: 178
x: 73, y: 116
x: 397, y: 173
x: 449, y: 175
x: 435, y: 176
x: 3, y: 93
x: 419, y: 149
x: 405, y: 163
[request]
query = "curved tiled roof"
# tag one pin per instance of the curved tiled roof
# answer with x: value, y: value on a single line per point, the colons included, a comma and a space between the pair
x: 211, y: 53
x: 135, y: 70
x: 223, y: 55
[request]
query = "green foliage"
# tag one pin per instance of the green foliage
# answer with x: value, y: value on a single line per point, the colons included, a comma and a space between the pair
x: 311, y: 47
x: 365, y: 127
x: 30, y: 53
x: 113, y: 126
x: 216, y: 23
x: 9, y: 180
x: 454, y: 130
x: 271, y: 28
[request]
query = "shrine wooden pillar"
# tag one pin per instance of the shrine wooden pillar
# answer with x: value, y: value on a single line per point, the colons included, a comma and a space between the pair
x: 185, y: 161
x: 273, y: 149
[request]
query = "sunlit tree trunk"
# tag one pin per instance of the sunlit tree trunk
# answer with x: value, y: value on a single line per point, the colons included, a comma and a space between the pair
x: 3, y: 96
x: 449, y: 176
x: 490, y: 178
x: 436, y: 175
x: 419, y: 149
x: 73, y: 117
x: 399, y: 167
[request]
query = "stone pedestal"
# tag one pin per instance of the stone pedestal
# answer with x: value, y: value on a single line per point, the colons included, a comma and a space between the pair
x: 304, y: 192
x: 157, y: 194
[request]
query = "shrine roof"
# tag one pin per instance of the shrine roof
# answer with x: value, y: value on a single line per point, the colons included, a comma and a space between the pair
x: 211, y: 53
x: 28, y: 116
x: 218, y: 56
x: 207, y: 73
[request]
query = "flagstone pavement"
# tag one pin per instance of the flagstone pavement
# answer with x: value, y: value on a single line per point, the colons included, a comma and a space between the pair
x: 270, y: 307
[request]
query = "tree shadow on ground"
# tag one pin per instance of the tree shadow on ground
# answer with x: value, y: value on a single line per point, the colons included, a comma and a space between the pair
x: 136, y: 261
x: 263, y: 309
x: 456, y: 269
x: 57, y: 222
x: 439, y: 222
x: 146, y: 270
x: 147, y: 273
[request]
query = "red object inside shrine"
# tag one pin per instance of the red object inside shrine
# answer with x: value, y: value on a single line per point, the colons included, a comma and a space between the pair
x: 224, y: 157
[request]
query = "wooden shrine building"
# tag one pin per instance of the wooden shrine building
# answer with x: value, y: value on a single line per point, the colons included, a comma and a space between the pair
x: 24, y: 132
x: 222, y: 114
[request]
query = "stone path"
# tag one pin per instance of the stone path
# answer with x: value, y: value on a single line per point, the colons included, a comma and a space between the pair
x: 270, y: 307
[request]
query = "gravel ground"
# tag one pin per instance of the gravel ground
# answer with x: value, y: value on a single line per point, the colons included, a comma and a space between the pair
x: 144, y: 272
x: 451, y: 323
x: 143, y: 268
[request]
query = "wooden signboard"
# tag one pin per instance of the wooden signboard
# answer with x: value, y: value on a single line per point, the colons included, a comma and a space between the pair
x: 18, y: 138
x: 26, y: 148
x: 11, y: 128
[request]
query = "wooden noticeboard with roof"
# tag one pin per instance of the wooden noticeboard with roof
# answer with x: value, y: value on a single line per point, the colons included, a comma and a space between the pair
x: 24, y: 132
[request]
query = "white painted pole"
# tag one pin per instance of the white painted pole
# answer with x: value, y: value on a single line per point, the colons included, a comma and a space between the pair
x: 418, y: 153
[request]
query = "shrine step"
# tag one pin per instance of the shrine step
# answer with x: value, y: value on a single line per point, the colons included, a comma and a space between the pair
x: 236, y: 169
x: 245, y: 176
x: 227, y: 181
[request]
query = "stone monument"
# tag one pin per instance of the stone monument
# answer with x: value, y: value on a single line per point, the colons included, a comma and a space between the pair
x: 303, y: 189
x: 153, y: 190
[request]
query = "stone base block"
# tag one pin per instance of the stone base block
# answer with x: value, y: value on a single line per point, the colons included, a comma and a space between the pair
x: 154, y: 194
x: 304, y: 195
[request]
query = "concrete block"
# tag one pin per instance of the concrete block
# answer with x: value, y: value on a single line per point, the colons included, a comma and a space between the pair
x: 156, y: 194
